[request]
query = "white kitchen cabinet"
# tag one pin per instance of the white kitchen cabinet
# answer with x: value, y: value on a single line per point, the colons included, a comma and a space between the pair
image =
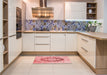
x: 19, y: 45
x: 12, y: 48
x: 1, y: 45
x: 87, y: 48
x: 92, y: 52
x: 1, y: 55
x: 58, y: 41
x: 1, y: 16
x: 1, y: 29
x: 1, y: 61
x: 75, y: 10
x: 58, y: 7
x: 42, y: 42
x: 12, y: 17
x: 71, y: 42
x: 28, y: 42
x: 42, y: 47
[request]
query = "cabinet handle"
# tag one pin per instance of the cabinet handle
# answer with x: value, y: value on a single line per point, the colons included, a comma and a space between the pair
x: 84, y: 49
x: 42, y: 36
x: 85, y: 40
x: 12, y: 35
x: 42, y: 44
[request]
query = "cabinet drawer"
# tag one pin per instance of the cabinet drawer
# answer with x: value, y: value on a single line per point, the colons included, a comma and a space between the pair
x: 42, y: 47
x: 57, y: 34
x: 42, y: 40
x: 42, y: 34
x: 84, y: 40
x: 84, y: 51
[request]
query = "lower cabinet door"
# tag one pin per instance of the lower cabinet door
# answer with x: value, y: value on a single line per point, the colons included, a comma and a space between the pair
x: 87, y: 48
x: 1, y: 55
x: 71, y: 42
x: 19, y: 45
x: 12, y: 49
x: 58, y: 42
x: 28, y: 42
x: 1, y: 61
x: 92, y: 52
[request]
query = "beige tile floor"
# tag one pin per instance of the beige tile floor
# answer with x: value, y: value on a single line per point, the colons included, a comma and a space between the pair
x: 24, y: 66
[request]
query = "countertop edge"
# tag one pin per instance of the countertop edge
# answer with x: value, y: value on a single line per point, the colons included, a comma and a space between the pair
x: 98, y: 38
x: 82, y: 33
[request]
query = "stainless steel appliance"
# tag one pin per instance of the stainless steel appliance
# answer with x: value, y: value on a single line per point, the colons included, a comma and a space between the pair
x: 43, y: 12
x: 18, y: 23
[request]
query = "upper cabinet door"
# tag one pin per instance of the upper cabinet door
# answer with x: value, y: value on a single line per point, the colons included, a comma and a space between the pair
x: 1, y: 24
x: 75, y: 10
x: 12, y: 17
x: 58, y: 42
x: 58, y: 6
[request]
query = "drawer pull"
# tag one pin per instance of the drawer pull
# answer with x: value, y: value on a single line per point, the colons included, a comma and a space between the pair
x: 42, y: 36
x: 42, y: 44
x: 84, y: 40
x: 84, y: 49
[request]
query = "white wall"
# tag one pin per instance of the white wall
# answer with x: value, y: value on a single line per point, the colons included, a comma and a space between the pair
x: 100, y: 9
x: 100, y: 13
x: 23, y: 15
x: 19, y: 3
x: 57, y: 4
x: 105, y: 16
x: 29, y: 5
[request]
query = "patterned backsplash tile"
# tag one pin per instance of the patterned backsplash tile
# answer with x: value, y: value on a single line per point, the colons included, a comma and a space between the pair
x: 48, y: 25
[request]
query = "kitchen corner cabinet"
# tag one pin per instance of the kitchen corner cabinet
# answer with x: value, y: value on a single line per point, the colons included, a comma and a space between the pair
x: 28, y: 42
x: 71, y: 42
x: 1, y: 55
x: 87, y: 49
x: 58, y: 41
x: 78, y: 13
x: 12, y: 48
x: 94, y: 52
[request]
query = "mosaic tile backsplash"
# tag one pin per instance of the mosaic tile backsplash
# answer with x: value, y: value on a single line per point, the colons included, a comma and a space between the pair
x: 48, y: 25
